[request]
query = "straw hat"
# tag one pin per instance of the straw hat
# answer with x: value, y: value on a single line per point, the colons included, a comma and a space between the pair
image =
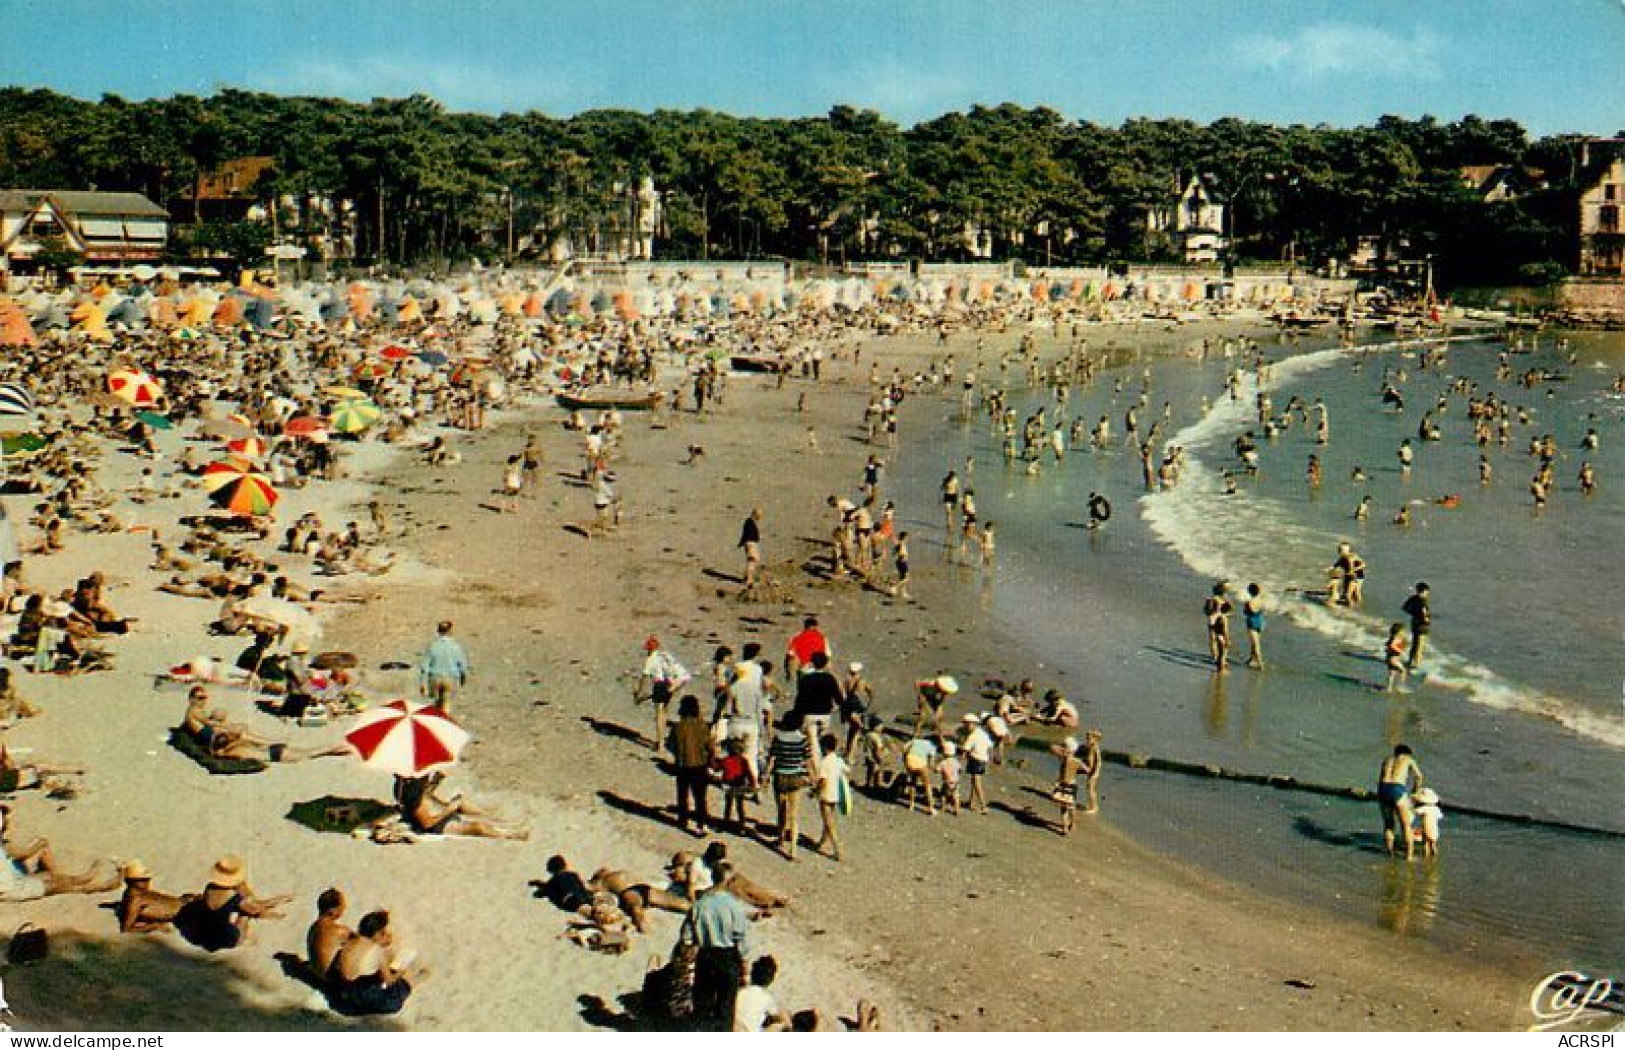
x: 679, y: 860
x: 855, y: 667
x: 134, y: 870
x: 228, y: 873
x: 971, y: 718
x: 947, y: 683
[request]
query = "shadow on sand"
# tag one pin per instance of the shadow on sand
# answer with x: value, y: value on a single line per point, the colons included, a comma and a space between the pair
x: 151, y: 983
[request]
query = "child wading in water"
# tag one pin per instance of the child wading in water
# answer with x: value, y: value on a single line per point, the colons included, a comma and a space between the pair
x: 1393, y: 654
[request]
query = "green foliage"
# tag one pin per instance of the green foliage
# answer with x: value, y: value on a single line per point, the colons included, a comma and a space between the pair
x: 243, y: 243
x: 421, y: 183
x: 54, y: 256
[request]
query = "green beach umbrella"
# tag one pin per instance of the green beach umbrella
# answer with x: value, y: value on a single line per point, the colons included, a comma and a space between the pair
x: 353, y: 416
x: 154, y: 420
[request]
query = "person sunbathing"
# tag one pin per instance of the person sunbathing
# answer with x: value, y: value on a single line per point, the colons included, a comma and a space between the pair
x: 635, y: 896
x: 753, y: 894
x: 143, y: 909
x: 29, y: 871
x: 219, y: 917
x: 427, y: 814
x: 326, y: 936
x: 221, y: 738
x: 369, y: 976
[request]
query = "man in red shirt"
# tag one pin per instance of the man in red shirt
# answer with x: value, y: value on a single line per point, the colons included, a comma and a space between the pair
x: 800, y: 651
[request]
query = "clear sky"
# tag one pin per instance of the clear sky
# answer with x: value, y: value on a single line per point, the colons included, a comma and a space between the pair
x: 1553, y: 65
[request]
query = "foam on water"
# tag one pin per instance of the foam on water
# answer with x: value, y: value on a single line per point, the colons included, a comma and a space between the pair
x: 1249, y: 538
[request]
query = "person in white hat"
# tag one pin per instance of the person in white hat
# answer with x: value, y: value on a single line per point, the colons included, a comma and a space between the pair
x: 1428, y: 814
x: 978, y: 745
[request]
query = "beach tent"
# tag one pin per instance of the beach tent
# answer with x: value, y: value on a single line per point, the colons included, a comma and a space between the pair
x: 407, y: 311
x: 14, y: 327
x: 259, y: 312
x: 534, y: 305
x: 130, y: 312
x: 89, y: 320
x: 228, y: 313
x: 360, y: 301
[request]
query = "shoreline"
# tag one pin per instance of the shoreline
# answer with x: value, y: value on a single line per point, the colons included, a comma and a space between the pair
x: 908, y: 920
x: 596, y: 658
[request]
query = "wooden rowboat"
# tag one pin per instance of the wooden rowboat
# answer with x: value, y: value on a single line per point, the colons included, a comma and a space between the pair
x: 756, y: 363
x: 603, y: 400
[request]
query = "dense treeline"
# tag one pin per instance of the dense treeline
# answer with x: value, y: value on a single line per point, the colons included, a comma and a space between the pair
x: 428, y: 184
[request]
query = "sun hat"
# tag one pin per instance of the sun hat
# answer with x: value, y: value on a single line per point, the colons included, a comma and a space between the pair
x: 134, y: 869
x: 971, y: 718
x: 680, y: 859
x: 947, y: 684
x: 1427, y: 797
x: 855, y: 667
x: 227, y: 873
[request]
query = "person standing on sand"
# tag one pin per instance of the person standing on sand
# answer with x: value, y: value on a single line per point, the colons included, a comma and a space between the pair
x: 443, y: 669
x: 809, y: 640
x: 789, y: 759
x: 900, y: 560
x: 1252, y: 615
x: 978, y: 748
x: 693, y: 748
x: 719, y: 926
x: 658, y: 682
x: 750, y: 540
x: 1419, y: 609
x: 834, y: 793
x: 1217, y: 608
x: 1397, y: 777
x: 1091, y: 759
x: 950, y: 503
x: 1065, y: 791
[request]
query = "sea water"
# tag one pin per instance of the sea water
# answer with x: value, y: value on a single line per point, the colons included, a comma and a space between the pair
x: 1518, y: 706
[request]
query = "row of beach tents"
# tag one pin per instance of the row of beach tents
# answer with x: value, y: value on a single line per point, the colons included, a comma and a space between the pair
x: 97, y: 313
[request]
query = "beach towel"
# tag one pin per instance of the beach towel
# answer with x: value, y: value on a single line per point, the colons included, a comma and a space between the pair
x: 843, y: 797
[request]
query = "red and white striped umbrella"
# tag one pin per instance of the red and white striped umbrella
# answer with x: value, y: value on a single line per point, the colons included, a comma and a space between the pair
x: 407, y: 739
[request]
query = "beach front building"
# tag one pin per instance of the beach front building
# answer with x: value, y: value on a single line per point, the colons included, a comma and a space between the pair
x: 1602, y: 198
x: 1495, y: 183
x: 107, y: 229
x: 1193, y: 219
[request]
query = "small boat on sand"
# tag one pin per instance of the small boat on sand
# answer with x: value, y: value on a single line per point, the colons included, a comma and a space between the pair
x: 757, y: 363
x: 603, y: 399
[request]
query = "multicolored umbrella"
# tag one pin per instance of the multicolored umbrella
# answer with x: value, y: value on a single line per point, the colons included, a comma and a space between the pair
x: 353, y: 416
x: 407, y: 739
x: 243, y: 492
x: 368, y: 370
x: 15, y: 400
x: 249, y: 447
x: 135, y: 387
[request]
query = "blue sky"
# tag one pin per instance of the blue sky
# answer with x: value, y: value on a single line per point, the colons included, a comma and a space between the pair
x: 1553, y: 65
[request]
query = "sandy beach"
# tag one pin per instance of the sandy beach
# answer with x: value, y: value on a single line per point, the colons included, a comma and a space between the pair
x: 1091, y: 932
